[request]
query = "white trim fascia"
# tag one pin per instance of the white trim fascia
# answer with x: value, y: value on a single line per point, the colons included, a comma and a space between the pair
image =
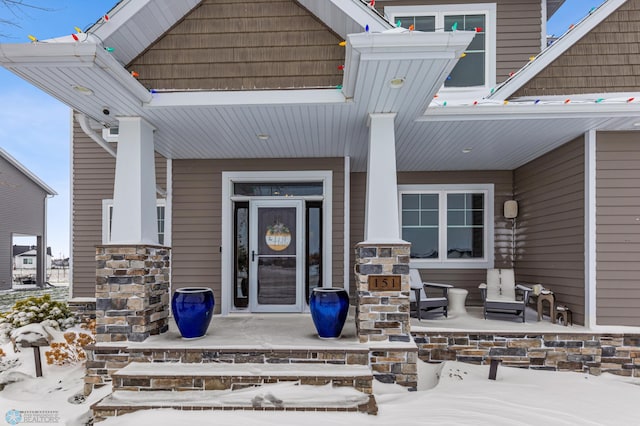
x: 226, y: 244
x: 397, y: 45
x: 126, y: 10
x: 118, y: 16
x: 168, y: 208
x: 590, y: 228
x: 78, y: 54
x: 347, y: 222
x: 551, y: 53
x: 543, y: 32
x: 361, y: 15
x: 228, y: 178
x: 529, y: 111
x: 244, y: 98
x: 71, y: 199
x: 22, y: 169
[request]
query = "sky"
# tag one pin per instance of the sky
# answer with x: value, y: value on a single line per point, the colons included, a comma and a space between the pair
x: 35, y: 128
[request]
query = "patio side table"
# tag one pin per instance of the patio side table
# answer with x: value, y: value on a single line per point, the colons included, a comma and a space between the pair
x: 551, y: 300
x: 457, y: 298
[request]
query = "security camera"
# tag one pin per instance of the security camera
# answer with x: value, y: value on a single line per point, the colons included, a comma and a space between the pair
x: 105, y: 110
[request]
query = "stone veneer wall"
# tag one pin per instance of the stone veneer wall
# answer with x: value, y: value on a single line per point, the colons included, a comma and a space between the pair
x: 593, y: 353
x: 83, y: 308
x: 382, y: 317
x: 132, y: 292
x: 104, y: 360
x: 395, y: 365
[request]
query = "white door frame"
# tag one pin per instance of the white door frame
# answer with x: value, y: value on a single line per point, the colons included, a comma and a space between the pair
x: 254, y: 255
x: 226, y: 247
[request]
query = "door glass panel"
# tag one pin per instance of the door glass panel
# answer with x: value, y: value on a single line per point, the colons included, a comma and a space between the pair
x: 277, y: 189
x: 277, y: 280
x: 241, y: 292
x: 314, y: 247
x: 277, y: 263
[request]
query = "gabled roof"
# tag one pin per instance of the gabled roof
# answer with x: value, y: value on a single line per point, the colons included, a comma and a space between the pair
x: 46, y: 188
x: 555, y: 50
x: 132, y: 25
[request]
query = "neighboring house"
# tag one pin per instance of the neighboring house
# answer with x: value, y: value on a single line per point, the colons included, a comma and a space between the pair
x: 243, y: 135
x: 26, y: 257
x: 23, y: 209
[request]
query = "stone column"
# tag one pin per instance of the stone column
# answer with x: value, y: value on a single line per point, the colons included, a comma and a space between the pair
x: 132, y: 292
x: 382, y: 316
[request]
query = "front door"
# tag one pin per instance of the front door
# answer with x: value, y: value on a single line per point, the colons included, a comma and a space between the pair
x: 276, y: 266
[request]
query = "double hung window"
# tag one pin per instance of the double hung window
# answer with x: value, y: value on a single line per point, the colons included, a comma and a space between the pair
x: 448, y: 225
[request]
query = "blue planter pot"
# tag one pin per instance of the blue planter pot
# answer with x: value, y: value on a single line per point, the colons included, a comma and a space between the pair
x: 329, y: 308
x: 192, y: 309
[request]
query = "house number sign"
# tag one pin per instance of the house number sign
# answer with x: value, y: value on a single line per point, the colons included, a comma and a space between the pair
x: 385, y: 283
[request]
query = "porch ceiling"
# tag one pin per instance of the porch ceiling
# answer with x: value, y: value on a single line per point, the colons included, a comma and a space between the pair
x: 317, y: 123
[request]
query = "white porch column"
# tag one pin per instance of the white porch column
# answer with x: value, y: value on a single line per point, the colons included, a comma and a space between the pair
x: 382, y: 224
x: 590, y: 313
x: 134, y: 194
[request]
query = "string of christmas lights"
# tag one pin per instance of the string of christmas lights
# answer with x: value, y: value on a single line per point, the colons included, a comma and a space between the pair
x: 566, y: 101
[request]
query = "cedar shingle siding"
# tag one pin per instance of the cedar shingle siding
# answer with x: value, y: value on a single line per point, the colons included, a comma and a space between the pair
x: 550, y: 224
x: 518, y: 36
x: 618, y: 228
x: 606, y: 60
x: 243, y: 45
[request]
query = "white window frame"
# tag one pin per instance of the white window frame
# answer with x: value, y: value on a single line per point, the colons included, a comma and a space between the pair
x: 106, y: 231
x: 439, y: 11
x: 27, y: 261
x: 489, y: 235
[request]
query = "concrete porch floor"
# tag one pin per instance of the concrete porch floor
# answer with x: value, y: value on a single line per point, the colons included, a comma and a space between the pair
x: 473, y: 321
x: 256, y: 331
x: 296, y: 331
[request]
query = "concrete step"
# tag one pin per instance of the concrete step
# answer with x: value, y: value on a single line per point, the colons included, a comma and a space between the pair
x: 218, y: 386
x: 144, y: 376
x: 272, y: 397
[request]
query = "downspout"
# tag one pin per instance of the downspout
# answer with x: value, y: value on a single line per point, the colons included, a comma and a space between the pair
x: 83, y: 121
x: 84, y: 125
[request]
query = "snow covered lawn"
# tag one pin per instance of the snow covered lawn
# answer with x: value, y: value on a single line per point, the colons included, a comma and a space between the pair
x: 449, y: 394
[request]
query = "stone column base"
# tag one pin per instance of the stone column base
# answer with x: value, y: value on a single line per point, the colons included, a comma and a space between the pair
x: 132, y: 292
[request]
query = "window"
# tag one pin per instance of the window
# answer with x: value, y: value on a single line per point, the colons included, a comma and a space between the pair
x: 163, y: 222
x: 27, y: 261
x: 477, y: 67
x: 448, y: 225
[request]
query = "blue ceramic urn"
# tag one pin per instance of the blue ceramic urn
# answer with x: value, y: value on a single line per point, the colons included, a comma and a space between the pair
x: 329, y: 308
x: 192, y: 309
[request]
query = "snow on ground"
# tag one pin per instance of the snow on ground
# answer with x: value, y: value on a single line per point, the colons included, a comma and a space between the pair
x: 451, y: 393
x: 46, y: 396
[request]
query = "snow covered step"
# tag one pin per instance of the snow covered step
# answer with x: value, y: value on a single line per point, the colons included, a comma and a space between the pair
x: 144, y: 376
x: 285, y: 396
